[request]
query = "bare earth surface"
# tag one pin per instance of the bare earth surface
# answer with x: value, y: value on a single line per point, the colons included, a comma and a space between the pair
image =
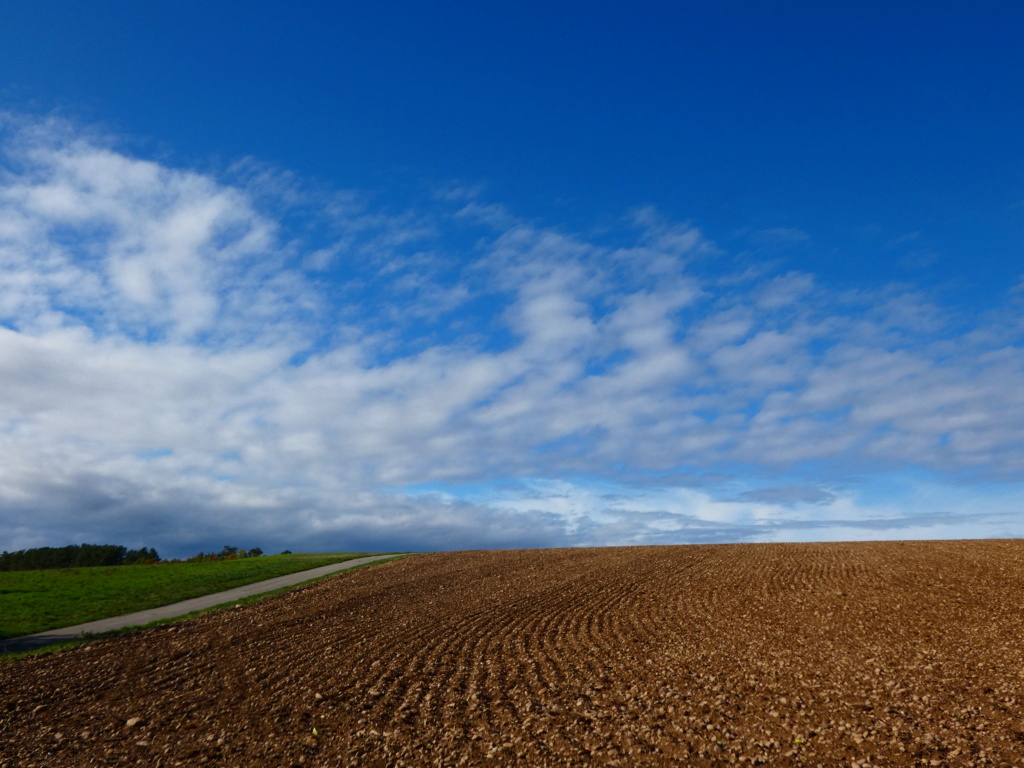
x: 888, y: 654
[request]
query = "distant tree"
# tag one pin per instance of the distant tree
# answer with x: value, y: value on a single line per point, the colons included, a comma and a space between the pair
x: 89, y: 555
x: 226, y: 553
x: 286, y: 552
x: 143, y: 555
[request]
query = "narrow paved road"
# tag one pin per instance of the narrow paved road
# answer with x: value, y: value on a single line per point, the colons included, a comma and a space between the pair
x: 29, y: 642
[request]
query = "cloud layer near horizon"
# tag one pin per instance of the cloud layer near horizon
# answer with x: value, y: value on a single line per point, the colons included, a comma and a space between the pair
x: 188, y: 356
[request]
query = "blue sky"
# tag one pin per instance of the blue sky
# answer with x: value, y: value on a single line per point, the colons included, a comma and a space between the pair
x: 424, y: 276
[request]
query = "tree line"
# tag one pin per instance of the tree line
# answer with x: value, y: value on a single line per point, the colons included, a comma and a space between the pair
x: 92, y: 555
x: 75, y: 556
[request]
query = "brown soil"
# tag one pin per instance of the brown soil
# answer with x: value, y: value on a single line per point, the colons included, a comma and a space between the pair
x: 888, y: 654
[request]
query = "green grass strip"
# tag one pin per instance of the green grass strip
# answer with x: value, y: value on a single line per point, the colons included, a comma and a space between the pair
x: 89, y: 639
x: 34, y: 601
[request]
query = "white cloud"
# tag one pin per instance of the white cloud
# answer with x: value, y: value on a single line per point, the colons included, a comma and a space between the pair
x: 148, y: 248
x: 182, y: 356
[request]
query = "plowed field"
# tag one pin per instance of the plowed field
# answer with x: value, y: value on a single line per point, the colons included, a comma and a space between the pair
x: 888, y: 654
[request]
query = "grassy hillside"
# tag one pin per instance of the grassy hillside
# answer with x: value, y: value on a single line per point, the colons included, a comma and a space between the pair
x: 33, y: 601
